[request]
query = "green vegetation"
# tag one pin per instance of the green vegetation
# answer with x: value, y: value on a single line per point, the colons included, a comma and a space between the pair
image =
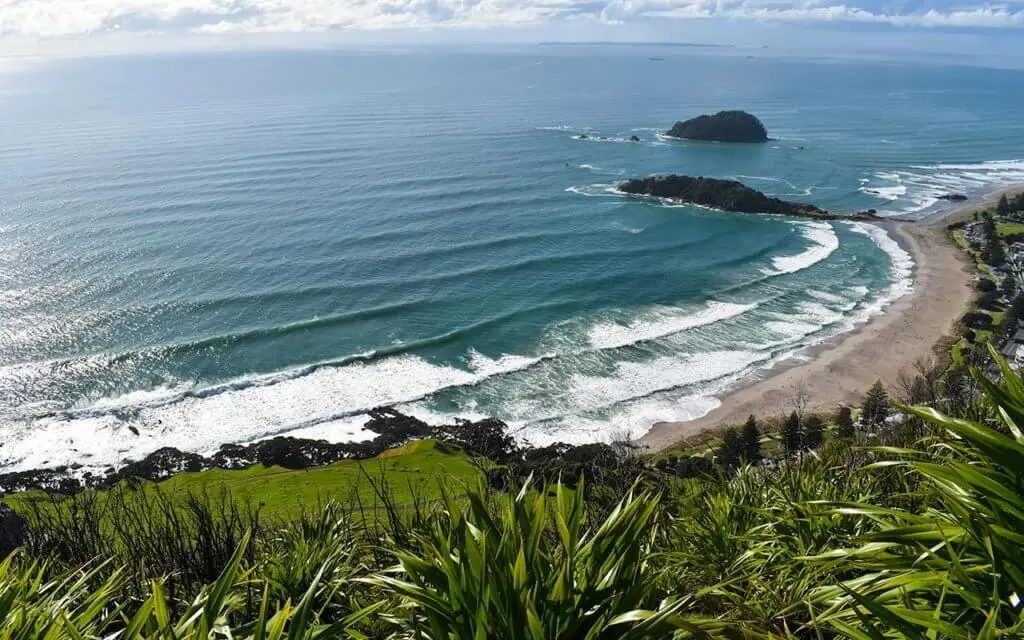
x: 992, y: 320
x: 411, y: 470
x: 844, y: 423
x: 912, y: 532
x: 751, y: 442
x: 791, y: 435
x: 415, y: 470
x: 1005, y: 229
x: 875, y: 408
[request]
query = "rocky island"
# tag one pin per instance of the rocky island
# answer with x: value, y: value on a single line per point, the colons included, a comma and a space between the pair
x: 724, y: 126
x: 727, y: 195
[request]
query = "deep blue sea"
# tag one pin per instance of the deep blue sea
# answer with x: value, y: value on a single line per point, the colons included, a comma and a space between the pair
x: 223, y: 247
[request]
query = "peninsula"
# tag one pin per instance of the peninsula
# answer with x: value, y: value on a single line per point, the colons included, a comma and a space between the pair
x: 727, y: 195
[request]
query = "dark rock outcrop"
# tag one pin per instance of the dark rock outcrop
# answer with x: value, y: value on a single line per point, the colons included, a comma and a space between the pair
x: 634, y: 138
x: 724, y: 126
x: 13, y: 531
x: 727, y: 195
x: 953, y: 197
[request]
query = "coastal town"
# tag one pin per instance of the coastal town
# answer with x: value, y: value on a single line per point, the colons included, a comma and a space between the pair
x: 994, y: 239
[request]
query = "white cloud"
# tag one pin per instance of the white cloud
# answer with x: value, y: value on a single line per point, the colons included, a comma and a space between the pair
x: 50, y: 18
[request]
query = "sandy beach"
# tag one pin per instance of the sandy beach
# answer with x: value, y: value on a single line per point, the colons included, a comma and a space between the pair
x: 841, y: 370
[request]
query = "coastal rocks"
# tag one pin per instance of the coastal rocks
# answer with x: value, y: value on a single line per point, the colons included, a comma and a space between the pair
x: 13, y: 531
x: 724, y: 126
x: 727, y: 195
x: 953, y: 197
x: 634, y: 138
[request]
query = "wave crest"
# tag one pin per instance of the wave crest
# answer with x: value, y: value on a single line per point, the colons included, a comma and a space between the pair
x: 825, y: 242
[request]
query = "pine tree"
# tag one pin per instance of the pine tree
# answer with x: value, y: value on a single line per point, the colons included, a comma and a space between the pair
x: 814, y: 432
x: 875, y: 408
x: 751, y: 440
x: 731, y: 451
x: 844, y: 422
x: 1003, y: 207
x: 792, y: 438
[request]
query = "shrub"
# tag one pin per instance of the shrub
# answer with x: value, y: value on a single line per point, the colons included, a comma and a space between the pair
x: 977, y: 320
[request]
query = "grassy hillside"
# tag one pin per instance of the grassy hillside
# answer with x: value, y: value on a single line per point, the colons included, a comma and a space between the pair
x: 417, y: 469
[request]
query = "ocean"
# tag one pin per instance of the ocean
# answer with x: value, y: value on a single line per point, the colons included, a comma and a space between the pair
x: 223, y: 247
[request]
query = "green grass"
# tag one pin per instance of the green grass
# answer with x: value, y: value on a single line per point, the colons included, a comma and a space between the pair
x: 418, y: 469
x: 1009, y: 228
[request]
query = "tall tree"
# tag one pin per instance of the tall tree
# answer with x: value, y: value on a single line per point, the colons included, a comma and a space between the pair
x: 875, y: 408
x: 814, y: 431
x: 844, y: 423
x: 751, y: 440
x: 792, y: 437
x: 1003, y: 207
x: 731, y: 451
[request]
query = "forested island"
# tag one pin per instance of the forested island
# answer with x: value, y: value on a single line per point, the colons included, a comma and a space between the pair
x: 724, y: 126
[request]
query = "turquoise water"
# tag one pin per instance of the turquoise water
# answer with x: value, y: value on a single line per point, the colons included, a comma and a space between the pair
x: 223, y: 247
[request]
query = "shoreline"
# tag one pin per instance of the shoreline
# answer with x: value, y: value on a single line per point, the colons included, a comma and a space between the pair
x: 840, y: 370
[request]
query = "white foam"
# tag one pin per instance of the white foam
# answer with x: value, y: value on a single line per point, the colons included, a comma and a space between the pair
x: 343, y: 430
x: 637, y: 394
x: 600, y: 189
x: 920, y: 186
x: 825, y: 296
x: 902, y: 268
x: 486, y: 367
x: 590, y: 137
x: 593, y: 168
x: 887, y: 193
x: 628, y: 421
x: 238, y: 412
x: 813, y: 317
x: 791, y: 329
x: 661, y: 321
x: 825, y: 242
x: 618, y: 226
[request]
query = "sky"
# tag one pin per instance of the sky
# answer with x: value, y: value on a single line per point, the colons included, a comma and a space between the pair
x: 948, y: 25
